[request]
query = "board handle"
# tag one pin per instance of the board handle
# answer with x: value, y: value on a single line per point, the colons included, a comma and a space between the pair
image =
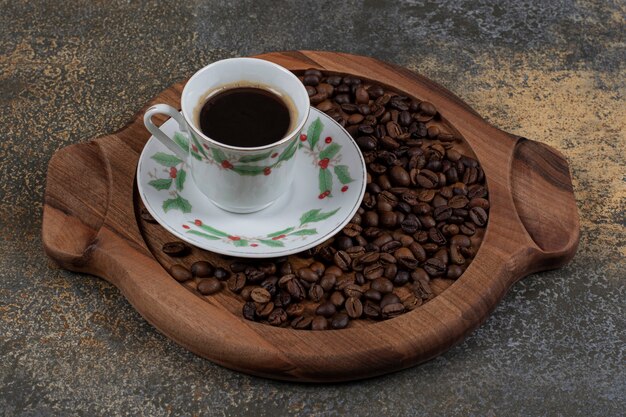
x: 544, y: 199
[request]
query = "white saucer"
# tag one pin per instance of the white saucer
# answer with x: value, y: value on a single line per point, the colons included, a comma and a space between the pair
x: 305, y: 216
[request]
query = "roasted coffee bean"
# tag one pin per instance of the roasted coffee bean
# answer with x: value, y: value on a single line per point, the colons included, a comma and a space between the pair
x: 337, y: 298
x: 391, y: 270
x: 328, y: 282
x: 209, y: 286
x: 295, y: 289
x: 316, y: 292
x: 410, y: 224
x: 311, y: 80
x: 260, y: 295
x: 334, y: 270
x: 401, y: 278
x: 467, y: 229
x: 296, y: 309
x: 387, y: 219
x: 454, y: 271
x: 308, y: 275
x: 310, y: 90
x: 175, y: 249
x: 277, y: 317
x: 355, y: 251
x: 392, y: 310
x: 352, y: 230
x: 201, y: 269
x: 373, y: 271
x: 366, y: 143
x: 245, y: 293
x: 236, y: 282
x: 146, y: 216
x: 370, y: 218
x: 405, y: 258
x: 270, y: 285
x: 249, y: 311
x: 282, y: 299
x: 359, y: 278
x: 343, y: 260
x: 371, y: 309
x: 180, y: 273
x: 238, y: 266
x: 221, y: 274
x: 382, y: 285
x: 254, y: 275
x: 399, y: 176
x: 434, y: 267
x: 327, y: 309
x: 301, y: 323
x: 455, y: 255
x: 263, y: 310
x: 427, y: 179
x: 319, y: 323
x: 478, y: 216
x: 285, y: 268
x: 418, y: 251
x: 343, y: 242
x: 411, y: 302
x: 458, y: 201
x: 353, y: 290
x: 268, y: 268
x: 340, y: 321
x: 390, y: 298
x: 479, y: 202
x: 390, y: 246
x: 373, y: 295
x: 420, y: 275
x: 436, y: 236
x: 343, y: 281
x: 354, y: 307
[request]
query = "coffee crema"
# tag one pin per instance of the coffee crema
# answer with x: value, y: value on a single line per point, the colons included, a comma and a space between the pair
x: 246, y: 117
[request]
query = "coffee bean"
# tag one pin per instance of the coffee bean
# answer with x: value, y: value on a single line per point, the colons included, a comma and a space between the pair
x: 263, y: 310
x: 370, y: 218
x: 209, y: 286
x: 343, y: 242
x: 352, y: 230
x: 392, y: 310
x: 277, y: 317
x: 366, y: 143
x: 361, y: 95
x: 399, y: 176
x: 405, y: 258
x: 354, y: 307
x: 249, y: 311
x: 270, y: 285
x: 180, y: 273
x: 340, y: 321
x: 295, y: 310
x: 308, y: 275
x: 418, y: 251
x: 382, y: 285
x: 373, y: 271
x: 260, y: 295
x: 282, y: 299
x: 146, y: 216
x: 295, y: 289
x: 328, y: 281
x: 245, y: 293
x: 316, y: 292
x: 454, y: 271
x: 301, y: 323
x: 436, y: 236
x: 175, y: 249
x: 456, y: 256
x: 410, y: 224
x: 236, y: 282
x: 434, y: 267
x: 343, y: 260
x: 478, y: 216
x: 401, y: 278
x: 319, y: 323
x: 311, y: 80
x: 327, y: 309
x: 353, y: 290
x: 427, y: 179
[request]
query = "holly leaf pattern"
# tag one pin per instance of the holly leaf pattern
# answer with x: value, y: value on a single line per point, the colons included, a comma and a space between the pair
x: 316, y: 215
x: 304, y: 232
x: 325, y: 180
x: 218, y: 155
x: 289, y: 151
x: 182, y: 141
x: 161, y: 183
x: 248, y: 169
x: 313, y: 132
x: 330, y: 151
x: 281, y: 232
x: 177, y: 203
x: 166, y: 159
x: 213, y: 230
x: 240, y: 242
x: 204, y: 235
x: 343, y: 174
x: 255, y: 158
x: 200, y: 148
x: 272, y: 243
x: 180, y: 179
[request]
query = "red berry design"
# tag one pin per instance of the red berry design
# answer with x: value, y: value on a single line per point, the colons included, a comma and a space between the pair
x: 206, y: 146
x: 328, y: 139
x: 194, y: 148
x: 226, y: 165
x: 254, y: 245
x: 327, y: 192
x: 303, y: 137
x: 344, y: 188
x: 275, y: 154
x: 234, y: 237
x: 185, y: 226
x: 197, y: 222
x: 173, y: 172
x: 323, y: 163
x: 322, y: 196
x: 267, y: 171
x: 278, y: 237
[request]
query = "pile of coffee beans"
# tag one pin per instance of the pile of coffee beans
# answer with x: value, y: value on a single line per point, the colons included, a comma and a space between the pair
x: 422, y: 218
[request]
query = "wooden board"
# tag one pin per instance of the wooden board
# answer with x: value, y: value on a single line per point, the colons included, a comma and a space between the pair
x: 90, y: 225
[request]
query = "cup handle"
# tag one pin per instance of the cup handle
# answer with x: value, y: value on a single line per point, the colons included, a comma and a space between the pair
x: 158, y: 133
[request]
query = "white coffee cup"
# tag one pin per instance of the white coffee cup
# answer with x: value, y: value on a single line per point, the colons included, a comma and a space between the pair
x: 237, y: 179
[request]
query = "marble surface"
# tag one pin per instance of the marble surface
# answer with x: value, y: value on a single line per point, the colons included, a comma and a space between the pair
x: 552, y: 71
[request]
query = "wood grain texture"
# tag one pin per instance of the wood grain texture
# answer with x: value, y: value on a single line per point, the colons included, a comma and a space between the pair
x: 90, y: 225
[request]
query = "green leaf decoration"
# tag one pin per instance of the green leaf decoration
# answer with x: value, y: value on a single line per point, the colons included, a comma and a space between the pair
x: 343, y: 174
x: 304, y: 232
x: 316, y: 215
x: 218, y: 155
x: 325, y: 180
x: 177, y: 203
x: 180, y: 179
x: 272, y: 243
x: 255, y: 158
x: 212, y: 230
x: 200, y: 148
x: 166, y: 159
x: 313, y: 133
x: 248, y: 169
x: 161, y: 183
x: 240, y: 242
x: 196, y: 155
x: 281, y: 232
x: 204, y: 235
x: 289, y: 151
x: 182, y: 141
x: 330, y: 151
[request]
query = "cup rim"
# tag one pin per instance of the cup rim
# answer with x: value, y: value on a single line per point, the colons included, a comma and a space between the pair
x: 283, y: 140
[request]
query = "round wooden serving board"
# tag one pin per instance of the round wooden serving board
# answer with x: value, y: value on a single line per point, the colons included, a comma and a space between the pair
x: 90, y: 225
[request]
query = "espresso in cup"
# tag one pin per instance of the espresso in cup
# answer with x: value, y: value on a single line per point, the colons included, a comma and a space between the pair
x: 247, y: 116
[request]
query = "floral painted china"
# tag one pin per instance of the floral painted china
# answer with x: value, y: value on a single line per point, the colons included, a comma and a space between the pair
x: 326, y: 192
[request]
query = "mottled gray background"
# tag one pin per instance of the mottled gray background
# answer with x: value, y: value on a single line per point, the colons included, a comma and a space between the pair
x: 551, y: 70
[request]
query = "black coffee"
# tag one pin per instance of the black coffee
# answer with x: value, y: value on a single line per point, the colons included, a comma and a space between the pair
x: 245, y: 117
